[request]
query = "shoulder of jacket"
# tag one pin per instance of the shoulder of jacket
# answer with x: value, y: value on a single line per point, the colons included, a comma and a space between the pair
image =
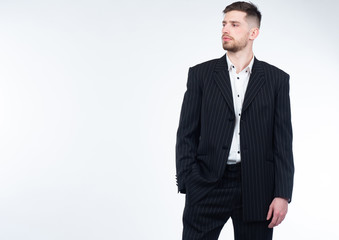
x: 273, y: 69
x: 205, y: 65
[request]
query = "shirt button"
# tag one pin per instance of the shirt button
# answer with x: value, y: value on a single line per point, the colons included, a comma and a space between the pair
x: 238, y: 95
x: 238, y: 152
x: 239, y: 114
x: 237, y: 77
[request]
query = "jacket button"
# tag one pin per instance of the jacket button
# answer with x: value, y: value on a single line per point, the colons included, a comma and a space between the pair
x: 224, y: 147
x: 231, y: 119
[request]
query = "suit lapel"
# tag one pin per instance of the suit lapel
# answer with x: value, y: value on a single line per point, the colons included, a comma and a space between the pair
x: 256, y: 81
x: 222, y: 79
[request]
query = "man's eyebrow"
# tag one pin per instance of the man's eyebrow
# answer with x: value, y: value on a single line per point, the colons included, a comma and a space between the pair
x: 231, y: 21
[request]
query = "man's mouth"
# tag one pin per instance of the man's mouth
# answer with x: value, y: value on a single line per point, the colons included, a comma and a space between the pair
x: 226, y: 38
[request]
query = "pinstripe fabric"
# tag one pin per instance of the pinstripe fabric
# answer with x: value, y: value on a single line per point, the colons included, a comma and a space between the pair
x: 203, y: 220
x: 206, y: 128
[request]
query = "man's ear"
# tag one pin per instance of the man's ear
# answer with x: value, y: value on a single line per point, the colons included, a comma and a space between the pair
x: 254, y: 32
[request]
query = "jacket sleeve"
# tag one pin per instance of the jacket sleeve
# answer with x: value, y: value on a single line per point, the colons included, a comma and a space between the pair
x: 282, y: 143
x: 189, y: 129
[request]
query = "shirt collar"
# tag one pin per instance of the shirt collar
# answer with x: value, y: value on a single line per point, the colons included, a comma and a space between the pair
x: 231, y: 65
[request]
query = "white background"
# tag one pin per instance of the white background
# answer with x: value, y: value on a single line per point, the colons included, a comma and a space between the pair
x: 90, y: 97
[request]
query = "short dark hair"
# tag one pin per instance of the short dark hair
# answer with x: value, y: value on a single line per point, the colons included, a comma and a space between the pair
x: 249, y: 8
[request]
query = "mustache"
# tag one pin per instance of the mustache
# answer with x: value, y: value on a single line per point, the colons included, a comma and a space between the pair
x: 228, y: 36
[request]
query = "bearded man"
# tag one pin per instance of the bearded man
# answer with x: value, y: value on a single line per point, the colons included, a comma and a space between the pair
x: 234, y: 141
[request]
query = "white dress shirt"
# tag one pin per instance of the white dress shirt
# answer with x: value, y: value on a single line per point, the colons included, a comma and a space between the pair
x: 239, y: 82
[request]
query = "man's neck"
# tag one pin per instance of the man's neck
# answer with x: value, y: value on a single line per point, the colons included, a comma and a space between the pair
x: 240, y: 59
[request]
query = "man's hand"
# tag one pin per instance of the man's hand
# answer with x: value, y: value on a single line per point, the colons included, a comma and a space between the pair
x: 278, y: 208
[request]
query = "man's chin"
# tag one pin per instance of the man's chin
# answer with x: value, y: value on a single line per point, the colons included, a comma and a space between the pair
x: 228, y: 48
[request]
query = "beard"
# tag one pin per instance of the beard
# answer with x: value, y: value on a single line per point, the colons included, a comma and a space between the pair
x: 235, y: 46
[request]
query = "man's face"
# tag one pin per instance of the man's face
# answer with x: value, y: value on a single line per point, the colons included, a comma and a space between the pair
x: 235, y: 31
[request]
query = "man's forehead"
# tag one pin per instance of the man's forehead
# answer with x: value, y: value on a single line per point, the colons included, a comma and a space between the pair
x: 235, y: 16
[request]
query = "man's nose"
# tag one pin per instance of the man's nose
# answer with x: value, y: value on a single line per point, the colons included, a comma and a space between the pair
x: 225, y: 29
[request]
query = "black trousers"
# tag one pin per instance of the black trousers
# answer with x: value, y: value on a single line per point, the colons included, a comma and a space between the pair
x: 205, y: 219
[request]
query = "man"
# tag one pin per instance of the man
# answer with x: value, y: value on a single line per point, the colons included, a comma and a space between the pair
x: 234, y: 141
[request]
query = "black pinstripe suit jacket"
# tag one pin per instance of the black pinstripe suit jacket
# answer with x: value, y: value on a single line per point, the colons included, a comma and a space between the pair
x: 206, y: 128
